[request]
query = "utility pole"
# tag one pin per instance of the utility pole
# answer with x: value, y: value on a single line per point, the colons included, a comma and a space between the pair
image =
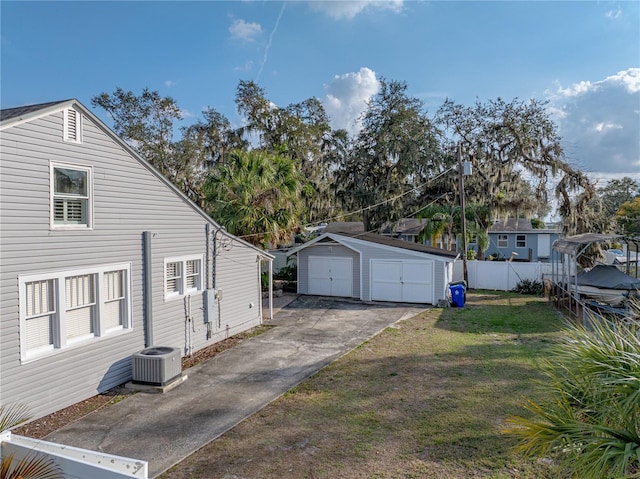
x: 462, y: 217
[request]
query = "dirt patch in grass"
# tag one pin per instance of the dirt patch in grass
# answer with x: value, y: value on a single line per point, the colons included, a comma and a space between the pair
x: 427, y: 398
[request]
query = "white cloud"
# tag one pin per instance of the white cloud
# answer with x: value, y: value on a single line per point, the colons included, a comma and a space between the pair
x: 169, y: 83
x: 247, y: 67
x: 617, y: 13
x: 347, y: 97
x: 241, y: 30
x: 601, y: 127
x: 599, y: 122
x: 348, y: 10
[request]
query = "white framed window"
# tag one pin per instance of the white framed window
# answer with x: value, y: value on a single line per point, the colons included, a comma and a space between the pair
x: 503, y: 241
x: 521, y: 241
x: 115, y: 300
x: 64, y: 308
x: 72, y: 126
x: 39, y: 311
x: 71, y: 197
x: 80, y: 306
x: 182, y: 276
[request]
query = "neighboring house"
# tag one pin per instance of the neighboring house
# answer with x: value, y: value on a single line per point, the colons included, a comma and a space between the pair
x: 348, y: 227
x: 518, y: 236
x: 406, y: 229
x: 373, y: 267
x: 100, y: 257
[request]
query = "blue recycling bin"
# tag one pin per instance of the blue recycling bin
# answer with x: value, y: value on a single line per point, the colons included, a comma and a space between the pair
x: 457, y: 295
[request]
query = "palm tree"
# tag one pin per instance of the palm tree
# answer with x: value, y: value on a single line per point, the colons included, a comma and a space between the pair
x: 256, y: 195
x: 443, y: 219
x: 33, y: 465
x: 591, y: 422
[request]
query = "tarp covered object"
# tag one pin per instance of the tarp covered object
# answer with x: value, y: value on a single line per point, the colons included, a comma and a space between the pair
x: 607, y: 276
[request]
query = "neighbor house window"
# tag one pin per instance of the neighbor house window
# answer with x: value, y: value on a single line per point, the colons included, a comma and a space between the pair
x: 71, y: 204
x: 72, y: 126
x: 521, y: 241
x: 503, y: 241
x: 58, y: 310
x: 182, y: 275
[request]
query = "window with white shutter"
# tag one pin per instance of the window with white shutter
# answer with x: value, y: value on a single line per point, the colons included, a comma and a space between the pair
x: 40, y: 310
x: 182, y: 275
x: 173, y: 278
x: 192, y: 273
x: 67, y: 308
x: 71, y: 205
x: 80, y: 305
x: 72, y: 126
x: 113, y: 312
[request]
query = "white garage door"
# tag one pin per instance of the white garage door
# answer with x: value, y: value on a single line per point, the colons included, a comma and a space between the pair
x: 330, y: 276
x: 406, y: 281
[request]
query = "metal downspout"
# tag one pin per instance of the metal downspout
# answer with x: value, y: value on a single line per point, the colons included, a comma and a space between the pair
x: 270, y: 289
x: 148, y: 290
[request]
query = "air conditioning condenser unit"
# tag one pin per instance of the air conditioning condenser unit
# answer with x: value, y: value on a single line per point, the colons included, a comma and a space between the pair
x: 156, y: 366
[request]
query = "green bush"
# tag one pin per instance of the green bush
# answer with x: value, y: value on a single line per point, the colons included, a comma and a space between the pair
x: 287, y: 273
x: 590, y: 423
x: 529, y: 286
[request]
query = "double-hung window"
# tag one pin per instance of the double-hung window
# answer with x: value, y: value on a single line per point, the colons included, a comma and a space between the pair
x: 39, y: 313
x: 58, y: 310
x: 183, y: 275
x: 80, y: 306
x: 503, y: 241
x: 521, y: 241
x: 71, y: 196
x: 115, y: 299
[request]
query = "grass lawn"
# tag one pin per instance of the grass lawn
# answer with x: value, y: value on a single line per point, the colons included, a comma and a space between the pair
x: 427, y: 398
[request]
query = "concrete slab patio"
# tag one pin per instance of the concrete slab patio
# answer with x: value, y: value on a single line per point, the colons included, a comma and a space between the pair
x: 163, y: 429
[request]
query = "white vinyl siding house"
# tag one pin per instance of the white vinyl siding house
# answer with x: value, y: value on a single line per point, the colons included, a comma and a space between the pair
x: 75, y: 299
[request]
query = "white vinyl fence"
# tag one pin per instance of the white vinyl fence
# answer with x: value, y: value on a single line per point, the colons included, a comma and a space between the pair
x: 500, y: 275
x: 74, y: 462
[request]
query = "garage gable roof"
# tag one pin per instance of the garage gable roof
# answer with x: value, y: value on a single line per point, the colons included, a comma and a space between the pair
x: 352, y: 241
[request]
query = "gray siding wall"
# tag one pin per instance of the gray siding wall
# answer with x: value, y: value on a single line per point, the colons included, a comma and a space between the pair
x: 128, y: 200
x: 365, y: 252
x: 372, y: 251
x: 328, y: 250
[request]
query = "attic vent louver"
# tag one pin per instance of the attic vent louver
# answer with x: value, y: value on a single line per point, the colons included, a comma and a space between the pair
x: 72, y: 126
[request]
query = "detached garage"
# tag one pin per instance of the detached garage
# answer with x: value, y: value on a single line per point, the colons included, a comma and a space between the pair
x: 372, y: 267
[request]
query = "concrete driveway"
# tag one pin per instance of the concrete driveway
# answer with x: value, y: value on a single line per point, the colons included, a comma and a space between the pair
x: 163, y: 429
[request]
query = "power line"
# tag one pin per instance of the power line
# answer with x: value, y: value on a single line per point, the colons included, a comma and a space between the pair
x: 393, y: 198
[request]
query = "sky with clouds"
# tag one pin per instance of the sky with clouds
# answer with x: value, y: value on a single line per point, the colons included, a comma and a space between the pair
x: 583, y: 57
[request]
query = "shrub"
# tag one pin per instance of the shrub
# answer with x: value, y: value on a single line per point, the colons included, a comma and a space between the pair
x: 287, y: 273
x: 529, y: 286
x: 591, y: 421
